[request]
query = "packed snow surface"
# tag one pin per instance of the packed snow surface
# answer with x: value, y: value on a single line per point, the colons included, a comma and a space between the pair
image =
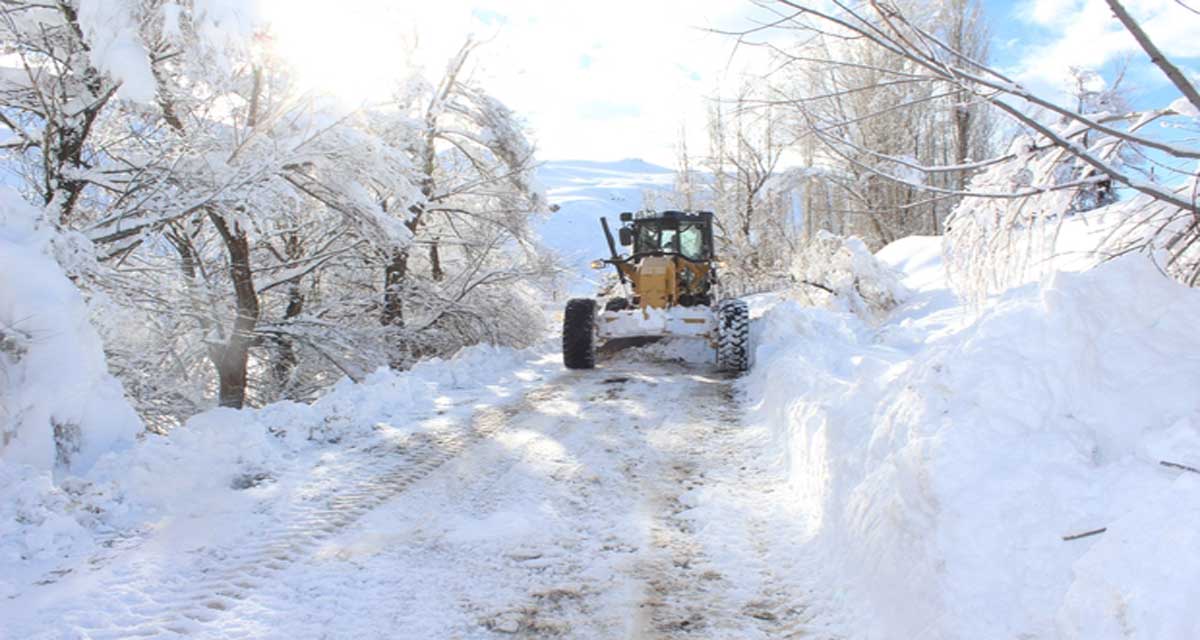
x: 487, y: 495
x: 194, y: 487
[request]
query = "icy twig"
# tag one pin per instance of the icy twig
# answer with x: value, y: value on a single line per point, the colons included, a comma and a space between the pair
x: 1176, y: 465
x: 1085, y: 534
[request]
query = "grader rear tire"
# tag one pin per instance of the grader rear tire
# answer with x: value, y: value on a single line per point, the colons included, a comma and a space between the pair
x: 733, y: 334
x: 579, y: 334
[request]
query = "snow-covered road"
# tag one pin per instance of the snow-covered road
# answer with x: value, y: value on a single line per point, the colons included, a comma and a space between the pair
x: 918, y: 478
x: 624, y: 502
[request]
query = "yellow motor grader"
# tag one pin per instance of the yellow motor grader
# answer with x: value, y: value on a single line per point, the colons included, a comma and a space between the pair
x: 667, y: 287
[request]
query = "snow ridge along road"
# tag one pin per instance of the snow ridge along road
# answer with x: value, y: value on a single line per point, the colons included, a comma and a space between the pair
x: 624, y: 502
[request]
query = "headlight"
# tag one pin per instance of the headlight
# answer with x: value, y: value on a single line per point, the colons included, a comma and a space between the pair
x: 597, y: 264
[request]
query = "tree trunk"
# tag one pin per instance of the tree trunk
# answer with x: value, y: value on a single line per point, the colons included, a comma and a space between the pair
x: 435, y: 262
x: 393, y: 303
x: 230, y: 362
x: 285, y: 360
x: 285, y: 357
x: 230, y: 358
x: 962, y: 135
x: 395, y: 274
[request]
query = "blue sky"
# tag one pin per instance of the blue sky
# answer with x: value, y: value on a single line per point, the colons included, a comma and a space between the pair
x: 1037, y: 39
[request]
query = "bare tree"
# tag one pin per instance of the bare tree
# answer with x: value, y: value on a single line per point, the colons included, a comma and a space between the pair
x: 686, y: 175
x: 858, y: 114
x: 472, y: 222
x: 1164, y: 213
x: 753, y: 203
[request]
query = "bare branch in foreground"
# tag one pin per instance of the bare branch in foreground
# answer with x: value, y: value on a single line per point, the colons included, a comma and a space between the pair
x: 1085, y: 534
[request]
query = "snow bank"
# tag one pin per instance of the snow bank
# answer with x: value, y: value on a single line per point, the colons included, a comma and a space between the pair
x: 206, y: 466
x: 60, y: 409
x: 59, y: 406
x: 942, y: 473
x: 918, y: 259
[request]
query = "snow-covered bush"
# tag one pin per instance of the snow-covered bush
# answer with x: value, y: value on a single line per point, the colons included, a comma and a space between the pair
x: 997, y: 241
x: 841, y: 273
x: 59, y: 406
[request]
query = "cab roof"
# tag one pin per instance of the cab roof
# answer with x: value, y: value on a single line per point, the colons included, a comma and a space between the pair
x: 672, y: 215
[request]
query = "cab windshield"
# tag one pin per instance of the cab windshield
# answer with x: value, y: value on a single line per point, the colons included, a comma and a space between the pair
x: 685, y: 238
x: 691, y: 241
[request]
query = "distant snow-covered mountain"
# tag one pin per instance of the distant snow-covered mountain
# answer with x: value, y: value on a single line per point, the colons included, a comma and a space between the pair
x: 584, y: 191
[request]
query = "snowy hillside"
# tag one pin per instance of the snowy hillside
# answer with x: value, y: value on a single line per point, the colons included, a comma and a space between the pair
x: 584, y: 191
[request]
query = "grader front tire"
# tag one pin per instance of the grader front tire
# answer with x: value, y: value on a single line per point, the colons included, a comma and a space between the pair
x: 733, y: 333
x: 579, y: 334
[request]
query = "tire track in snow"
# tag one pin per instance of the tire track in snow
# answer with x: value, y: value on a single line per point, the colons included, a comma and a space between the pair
x: 186, y: 607
x: 562, y: 593
x: 690, y: 590
x: 646, y: 441
x: 682, y: 596
x: 583, y: 469
x: 783, y: 608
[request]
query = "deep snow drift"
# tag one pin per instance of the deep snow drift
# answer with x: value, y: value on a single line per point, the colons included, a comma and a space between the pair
x: 943, y: 456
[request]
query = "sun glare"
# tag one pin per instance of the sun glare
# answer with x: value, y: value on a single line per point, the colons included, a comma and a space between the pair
x: 354, y: 53
x: 588, y: 79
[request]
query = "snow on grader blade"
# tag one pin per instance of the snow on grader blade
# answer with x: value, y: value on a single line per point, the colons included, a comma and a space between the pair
x: 667, y: 287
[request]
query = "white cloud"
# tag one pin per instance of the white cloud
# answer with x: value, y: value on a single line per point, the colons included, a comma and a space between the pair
x: 1047, y: 12
x: 1084, y: 33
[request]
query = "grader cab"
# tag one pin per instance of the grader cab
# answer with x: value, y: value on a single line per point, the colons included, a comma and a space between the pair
x: 667, y: 286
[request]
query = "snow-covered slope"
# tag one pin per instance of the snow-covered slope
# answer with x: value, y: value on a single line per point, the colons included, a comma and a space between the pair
x: 585, y: 191
x: 944, y: 456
